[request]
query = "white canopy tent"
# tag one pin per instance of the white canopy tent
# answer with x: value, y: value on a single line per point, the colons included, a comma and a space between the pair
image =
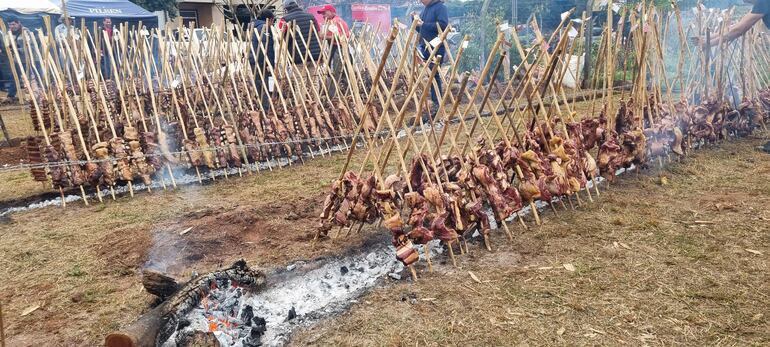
x: 30, y: 6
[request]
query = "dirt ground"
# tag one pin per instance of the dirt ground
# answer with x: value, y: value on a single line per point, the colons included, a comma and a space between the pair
x: 80, y: 266
x: 681, y: 263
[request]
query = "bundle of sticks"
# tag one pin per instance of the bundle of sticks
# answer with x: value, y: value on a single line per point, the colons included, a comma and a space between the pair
x: 491, y: 170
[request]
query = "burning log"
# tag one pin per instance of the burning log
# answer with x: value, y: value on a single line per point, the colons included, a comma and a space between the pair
x: 158, y: 284
x: 160, y: 323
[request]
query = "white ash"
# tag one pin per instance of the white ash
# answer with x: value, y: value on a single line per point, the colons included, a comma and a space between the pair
x: 311, y: 290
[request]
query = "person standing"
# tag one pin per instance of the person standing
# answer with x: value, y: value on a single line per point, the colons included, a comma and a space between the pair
x: 17, y: 31
x: 262, y: 60
x: 62, y: 30
x: 432, y: 18
x: 106, y: 64
x: 303, y: 22
x: 334, y: 31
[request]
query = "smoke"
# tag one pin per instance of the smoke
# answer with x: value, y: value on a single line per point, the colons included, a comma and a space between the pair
x: 166, y: 251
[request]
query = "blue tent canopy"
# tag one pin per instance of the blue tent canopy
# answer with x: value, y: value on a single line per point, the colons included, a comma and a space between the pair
x: 120, y: 11
x: 29, y: 12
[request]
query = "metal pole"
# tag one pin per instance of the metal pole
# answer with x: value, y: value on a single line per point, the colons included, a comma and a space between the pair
x: 589, y: 41
x: 483, y: 14
x: 514, y: 13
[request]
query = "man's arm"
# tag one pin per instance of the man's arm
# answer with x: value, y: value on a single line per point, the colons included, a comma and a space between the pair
x: 416, y: 17
x: 345, y: 28
x: 738, y: 29
x: 326, y: 31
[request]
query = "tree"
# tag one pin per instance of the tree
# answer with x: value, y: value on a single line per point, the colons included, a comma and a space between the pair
x: 169, y: 6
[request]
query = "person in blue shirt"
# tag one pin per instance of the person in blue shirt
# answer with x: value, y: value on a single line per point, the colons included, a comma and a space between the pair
x: 433, y: 17
x: 16, y: 31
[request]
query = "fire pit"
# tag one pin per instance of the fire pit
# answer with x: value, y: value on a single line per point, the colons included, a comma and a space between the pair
x: 207, y: 311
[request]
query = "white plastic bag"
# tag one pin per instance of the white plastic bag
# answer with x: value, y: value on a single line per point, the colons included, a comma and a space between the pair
x: 573, y: 74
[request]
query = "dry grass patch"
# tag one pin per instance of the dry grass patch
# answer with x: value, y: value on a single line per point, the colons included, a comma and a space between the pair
x: 683, y: 264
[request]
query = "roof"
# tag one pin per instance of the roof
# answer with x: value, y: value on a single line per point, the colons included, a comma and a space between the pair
x: 106, y: 8
x: 30, y: 6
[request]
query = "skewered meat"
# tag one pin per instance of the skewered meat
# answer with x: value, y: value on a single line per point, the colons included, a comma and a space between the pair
x: 626, y: 119
x: 123, y: 167
x: 477, y: 216
x: 440, y: 229
x: 421, y: 235
x: 406, y: 253
x: 364, y: 209
x: 93, y: 173
x: 492, y: 191
x: 171, y: 143
x: 593, y: 131
x: 32, y: 148
x: 195, y: 155
x: 281, y: 133
x: 419, y: 208
x: 216, y: 134
x: 528, y: 187
x: 251, y: 132
x: 610, y: 157
x: 70, y: 154
x: 102, y: 154
x: 203, y: 145
x: 45, y: 113
x: 588, y: 164
x: 138, y: 159
x: 417, y: 174
x: 150, y: 144
x: 58, y: 175
x: 343, y: 114
x: 232, y: 147
x: 634, y: 148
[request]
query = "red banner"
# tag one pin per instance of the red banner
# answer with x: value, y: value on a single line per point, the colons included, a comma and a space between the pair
x: 374, y: 14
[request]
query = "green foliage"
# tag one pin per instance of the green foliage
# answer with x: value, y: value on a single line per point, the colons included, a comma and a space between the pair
x: 476, y: 48
x: 76, y: 271
x: 169, y: 6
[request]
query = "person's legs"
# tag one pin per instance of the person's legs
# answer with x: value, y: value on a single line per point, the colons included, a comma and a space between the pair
x: 106, y: 67
x: 263, y: 90
x: 436, y: 90
x: 265, y: 98
x: 11, y: 90
x: 336, y: 69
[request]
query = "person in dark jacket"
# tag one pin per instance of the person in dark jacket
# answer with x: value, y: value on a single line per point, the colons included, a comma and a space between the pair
x: 304, y: 23
x: 16, y: 30
x: 433, y: 17
x: 260, y: 61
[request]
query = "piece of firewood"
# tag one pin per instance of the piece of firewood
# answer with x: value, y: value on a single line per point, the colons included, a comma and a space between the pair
x: 159, y: 284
